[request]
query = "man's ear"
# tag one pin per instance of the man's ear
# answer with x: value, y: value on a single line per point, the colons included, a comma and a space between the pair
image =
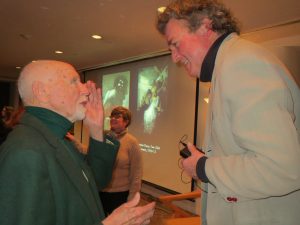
x: 207, y: 23
x: 40, y: 91
x: 205, y: 27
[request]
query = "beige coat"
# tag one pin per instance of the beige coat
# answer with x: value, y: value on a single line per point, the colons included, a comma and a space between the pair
x: 251, y: 139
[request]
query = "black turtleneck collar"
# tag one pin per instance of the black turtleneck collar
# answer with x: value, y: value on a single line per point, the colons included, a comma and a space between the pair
x: 58, y: 124
x: 208, y: 64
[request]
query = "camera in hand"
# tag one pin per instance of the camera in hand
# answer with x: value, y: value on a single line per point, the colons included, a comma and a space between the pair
x: 184, y: 153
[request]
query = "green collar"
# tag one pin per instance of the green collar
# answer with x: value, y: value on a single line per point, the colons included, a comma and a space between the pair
x: 58, y: 124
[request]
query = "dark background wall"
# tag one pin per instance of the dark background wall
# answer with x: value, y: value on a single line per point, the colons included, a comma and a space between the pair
x: 5, y: 90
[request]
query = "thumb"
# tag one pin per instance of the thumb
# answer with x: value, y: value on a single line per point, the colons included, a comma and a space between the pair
x: 134, y: 201
x: 191, y: 147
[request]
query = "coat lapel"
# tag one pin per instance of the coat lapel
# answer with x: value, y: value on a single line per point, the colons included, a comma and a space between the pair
x: 81, y: 179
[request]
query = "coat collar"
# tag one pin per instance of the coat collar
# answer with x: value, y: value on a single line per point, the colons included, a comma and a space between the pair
x: 208, y: 64
x: 58, y: 124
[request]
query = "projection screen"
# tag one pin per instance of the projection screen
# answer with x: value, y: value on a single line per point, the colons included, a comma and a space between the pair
x: 161, y: 98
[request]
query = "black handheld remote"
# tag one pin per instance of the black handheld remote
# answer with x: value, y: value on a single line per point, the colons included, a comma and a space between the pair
x: 184, y: 153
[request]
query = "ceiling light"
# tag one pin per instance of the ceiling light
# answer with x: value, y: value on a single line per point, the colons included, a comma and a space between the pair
x: 58, y: 52
x: 95, y: 36
x: 18, y: 67
x: 161, y: 9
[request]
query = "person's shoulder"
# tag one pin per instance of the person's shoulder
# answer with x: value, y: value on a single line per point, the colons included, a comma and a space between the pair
x: 23, y: 137
x: 236, y: 45
x: 131, y: 139
x: 17, y: 155
x: 130, y: 136
x: 21, y: 143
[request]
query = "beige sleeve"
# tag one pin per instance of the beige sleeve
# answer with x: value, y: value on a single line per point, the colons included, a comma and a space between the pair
x: 136, y: 169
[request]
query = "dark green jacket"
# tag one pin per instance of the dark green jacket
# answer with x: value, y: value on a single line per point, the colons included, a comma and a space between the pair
x: 41, y: 183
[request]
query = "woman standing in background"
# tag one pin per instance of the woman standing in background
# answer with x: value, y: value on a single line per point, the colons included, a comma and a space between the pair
x: 127, y: 173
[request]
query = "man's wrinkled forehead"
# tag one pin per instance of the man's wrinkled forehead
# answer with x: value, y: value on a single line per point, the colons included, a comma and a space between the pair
x: 62, y: 74
x: 66, y: 73
x: 174, y: 29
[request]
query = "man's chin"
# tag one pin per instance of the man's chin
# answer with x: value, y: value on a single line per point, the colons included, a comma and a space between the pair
x: 194, y: 73
x: 79, y: 116
x: 190, y: 72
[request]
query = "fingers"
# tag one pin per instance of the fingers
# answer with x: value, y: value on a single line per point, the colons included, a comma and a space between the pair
x: 68, y: 135
x: 133, y: 202
x: 95, y: 96
x: 99, y: 96
x: 92, y: 90
x: 194, y: 150
x: 131, y: 214
x: 190, y: 163
x: 149, y: 208
x: 191, y: 147
x: 142, y: 214
x: 125, y: 215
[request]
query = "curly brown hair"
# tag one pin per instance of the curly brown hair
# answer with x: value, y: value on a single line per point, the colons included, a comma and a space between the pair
x: 194, y: 11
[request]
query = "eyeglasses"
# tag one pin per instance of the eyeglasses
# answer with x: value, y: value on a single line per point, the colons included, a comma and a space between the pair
x: 118, y: 116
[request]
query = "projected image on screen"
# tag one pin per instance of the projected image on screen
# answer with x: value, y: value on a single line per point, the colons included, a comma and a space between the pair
x: 152, y: 85
x: 115, y: 92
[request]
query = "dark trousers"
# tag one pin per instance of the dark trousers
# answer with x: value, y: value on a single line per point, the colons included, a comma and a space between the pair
x: 112, y: 200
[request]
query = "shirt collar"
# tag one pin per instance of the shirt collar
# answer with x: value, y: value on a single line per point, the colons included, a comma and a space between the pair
x: 58, y: 124
x: 208, y: 64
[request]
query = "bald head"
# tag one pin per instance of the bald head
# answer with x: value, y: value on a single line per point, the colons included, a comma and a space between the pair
x: 55, y: 86
x: 42, y: 71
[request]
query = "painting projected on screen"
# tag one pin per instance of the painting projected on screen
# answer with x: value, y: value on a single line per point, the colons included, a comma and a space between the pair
x: 115, y: 92
x: 151, y: 102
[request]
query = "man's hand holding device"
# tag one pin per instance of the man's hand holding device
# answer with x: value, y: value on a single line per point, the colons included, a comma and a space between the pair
x: 191, y: 155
